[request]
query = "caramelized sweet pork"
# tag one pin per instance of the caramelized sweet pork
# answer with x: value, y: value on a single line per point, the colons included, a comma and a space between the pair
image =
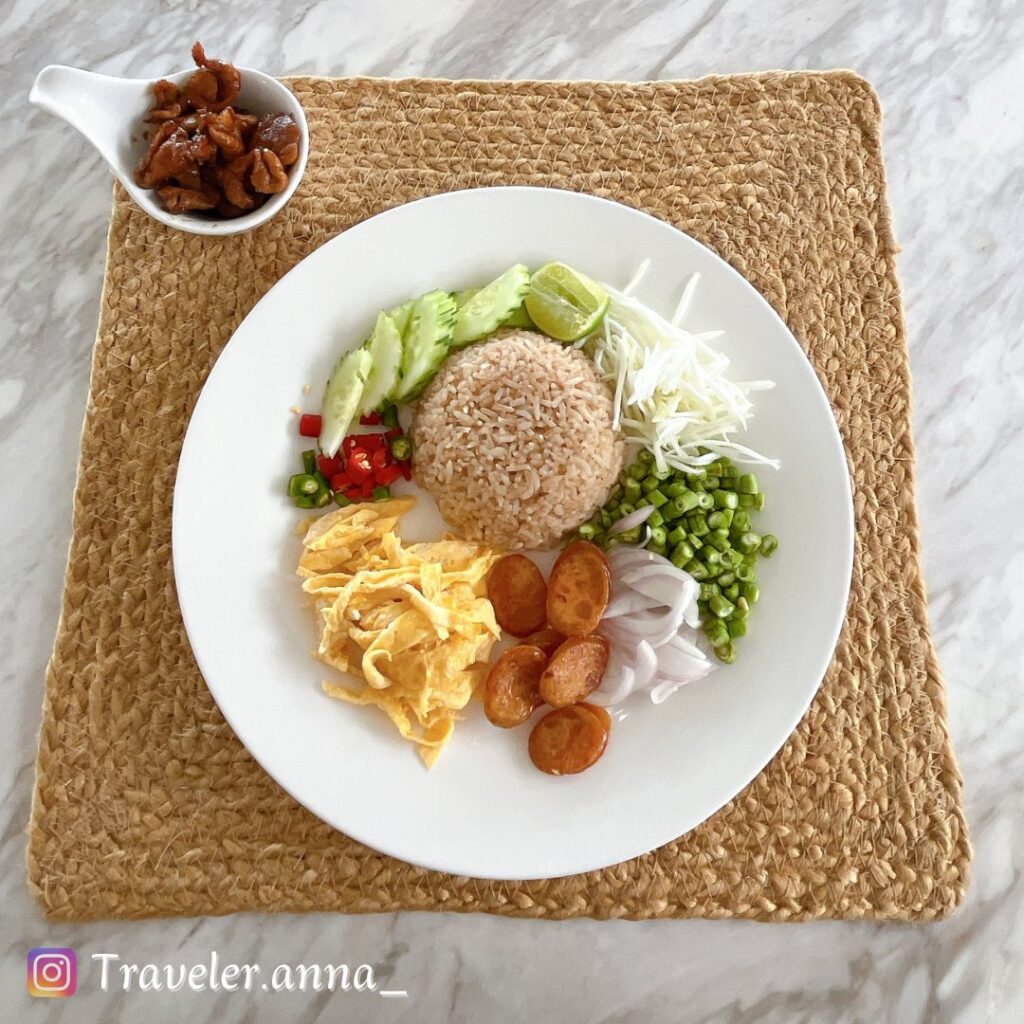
x: 207, y: 154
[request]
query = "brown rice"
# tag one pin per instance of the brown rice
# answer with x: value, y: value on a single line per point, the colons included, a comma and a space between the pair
x: 514, y: 440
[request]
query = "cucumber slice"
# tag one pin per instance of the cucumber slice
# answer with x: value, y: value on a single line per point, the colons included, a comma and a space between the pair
x: 518, y: 318
x: 400, y: 314
x: 341, y: 399
x: 491, y: 306
x: 385, y: 348
x: 426, y: 343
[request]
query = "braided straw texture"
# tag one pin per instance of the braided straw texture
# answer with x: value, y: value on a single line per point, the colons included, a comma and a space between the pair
x: 145, y: 802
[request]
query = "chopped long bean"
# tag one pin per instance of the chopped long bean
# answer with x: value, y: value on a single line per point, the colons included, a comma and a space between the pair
x: 704, y: 523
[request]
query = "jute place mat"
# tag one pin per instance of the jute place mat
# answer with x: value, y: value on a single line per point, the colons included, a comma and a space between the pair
x: 145, y: 802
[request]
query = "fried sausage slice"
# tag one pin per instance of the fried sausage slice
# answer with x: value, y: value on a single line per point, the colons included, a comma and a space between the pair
x: 601, y: 714
x: 548, y: 640
x: 518, y: 592
x: 574, y: 671
x: 510, y: 693
x: 569, y: 740
x: 578, y: 590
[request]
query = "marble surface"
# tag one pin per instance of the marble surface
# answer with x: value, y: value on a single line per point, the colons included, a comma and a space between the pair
x: 949, y: 75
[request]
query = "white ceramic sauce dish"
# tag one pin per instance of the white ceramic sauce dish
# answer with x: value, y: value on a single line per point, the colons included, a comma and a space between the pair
x: 110, y: 113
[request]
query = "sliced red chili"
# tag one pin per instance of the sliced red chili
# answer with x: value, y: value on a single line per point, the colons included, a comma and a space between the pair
x: 330, y: 466
x: 341, y: 482
x: 406, y: 468
x: 349, y: 445
x: 370, y: 420
x: 393, y: 433
x: 359, y: 468
x: 371, y: 442
x: 366, y: 490
x: 388, y: 475
x: 379, y: 459
x: 309, y: 425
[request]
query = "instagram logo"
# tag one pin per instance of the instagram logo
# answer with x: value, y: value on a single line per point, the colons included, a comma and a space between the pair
x: 52, y: 972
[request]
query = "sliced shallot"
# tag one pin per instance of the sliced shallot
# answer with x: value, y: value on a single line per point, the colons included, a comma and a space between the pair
x: 618, y: 683
x: 645, y: 664
x: 637, y: 518
x: 651, y: 625
x: 662, y: 587
x: 626, y: 602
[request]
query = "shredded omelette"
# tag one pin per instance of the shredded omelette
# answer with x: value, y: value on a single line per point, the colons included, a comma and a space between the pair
x: 413, y: 623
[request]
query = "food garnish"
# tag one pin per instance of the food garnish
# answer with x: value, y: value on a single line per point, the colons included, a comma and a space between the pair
x: 207, y: 154
x: 342, y: 397
x: 363, y: 469
x: 672, y: 394
x: 652, y: 625
x: 564, y: 303
x: 483, y: 310
x: 412, y: 622
x: 704, y: 524
x: 410, y: 342
x: 310, y: 425
x: 426, y: 340
x: 518, y: 317
x: 385, y: 351
x: 401, y: 449
x: 308, y: 490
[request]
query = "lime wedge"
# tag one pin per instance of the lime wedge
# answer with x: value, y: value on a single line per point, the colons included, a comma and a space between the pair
x: 564, y: 303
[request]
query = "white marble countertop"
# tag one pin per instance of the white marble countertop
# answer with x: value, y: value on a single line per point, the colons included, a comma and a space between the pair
x: 949, y: 75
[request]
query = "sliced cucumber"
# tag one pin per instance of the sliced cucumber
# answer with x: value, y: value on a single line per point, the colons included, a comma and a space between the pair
x: 518, y: 318
x: 385, y: 348
x: 426, y: 342
x: 342, y: 397
x: 400, y: 314
x: 491, y: 306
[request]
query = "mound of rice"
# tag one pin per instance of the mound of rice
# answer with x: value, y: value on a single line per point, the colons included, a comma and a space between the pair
x: 514, y: 440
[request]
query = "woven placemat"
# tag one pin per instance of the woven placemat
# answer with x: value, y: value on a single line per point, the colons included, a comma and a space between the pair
x: 146, y: 803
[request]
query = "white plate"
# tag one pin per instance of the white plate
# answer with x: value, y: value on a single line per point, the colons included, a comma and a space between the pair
x: 484, y: 810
